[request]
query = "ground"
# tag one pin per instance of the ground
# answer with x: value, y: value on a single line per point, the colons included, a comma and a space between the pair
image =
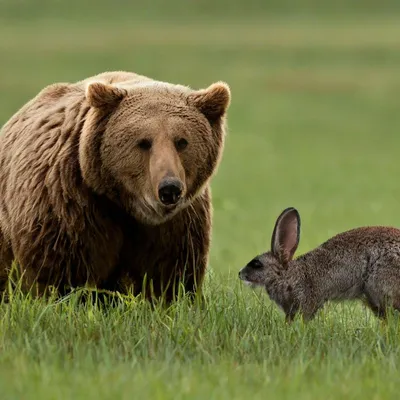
x: 314, y: 123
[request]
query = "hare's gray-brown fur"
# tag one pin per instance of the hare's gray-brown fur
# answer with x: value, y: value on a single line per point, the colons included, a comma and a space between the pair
x: 362, y: 263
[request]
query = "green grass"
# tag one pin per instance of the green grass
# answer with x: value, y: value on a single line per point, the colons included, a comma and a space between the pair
x: 314, y: 123
x: 235, y: 346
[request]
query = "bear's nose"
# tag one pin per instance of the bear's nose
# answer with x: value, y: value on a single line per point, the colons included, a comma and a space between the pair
x: 170, y: 191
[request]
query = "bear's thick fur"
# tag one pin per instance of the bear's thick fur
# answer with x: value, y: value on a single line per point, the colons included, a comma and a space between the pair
x: 106, y: 181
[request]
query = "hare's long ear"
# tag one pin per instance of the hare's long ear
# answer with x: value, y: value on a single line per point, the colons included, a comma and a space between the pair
x: 286, y: 235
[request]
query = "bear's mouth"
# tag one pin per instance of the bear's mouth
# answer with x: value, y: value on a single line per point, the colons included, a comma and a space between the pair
x: 170, y: 210
x: 164, y: 212
x: 152, y: 212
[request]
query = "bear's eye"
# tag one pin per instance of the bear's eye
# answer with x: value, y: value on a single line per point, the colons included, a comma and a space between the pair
x: 181, y: 144
x: 145, y: 144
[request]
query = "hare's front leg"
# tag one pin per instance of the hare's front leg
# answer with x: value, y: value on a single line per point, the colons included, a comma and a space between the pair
x: 309, y: 306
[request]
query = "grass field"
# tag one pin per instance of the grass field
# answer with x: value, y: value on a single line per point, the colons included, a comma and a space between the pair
x: 314, y: 123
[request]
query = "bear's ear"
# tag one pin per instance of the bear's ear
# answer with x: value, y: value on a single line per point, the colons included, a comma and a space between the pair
x: 213, y: 102
x: 103, y: 95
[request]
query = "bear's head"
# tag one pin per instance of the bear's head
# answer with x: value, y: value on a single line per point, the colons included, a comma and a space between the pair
x: 151, y: 146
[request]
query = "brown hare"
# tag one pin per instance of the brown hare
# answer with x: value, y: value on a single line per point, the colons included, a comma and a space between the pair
x: 362, y: 263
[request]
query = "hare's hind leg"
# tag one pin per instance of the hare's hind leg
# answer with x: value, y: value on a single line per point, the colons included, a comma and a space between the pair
x: 395, y: 301
x: 378, y: 309
x: 382, y: 291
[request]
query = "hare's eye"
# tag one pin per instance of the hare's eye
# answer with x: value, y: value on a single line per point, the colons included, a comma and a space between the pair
x: 256, y: 264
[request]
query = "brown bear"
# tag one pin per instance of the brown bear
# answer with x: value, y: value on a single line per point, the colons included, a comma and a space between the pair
x: 106, y: 182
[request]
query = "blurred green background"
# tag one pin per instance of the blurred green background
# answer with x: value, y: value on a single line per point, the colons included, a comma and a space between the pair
x: 314, y: 121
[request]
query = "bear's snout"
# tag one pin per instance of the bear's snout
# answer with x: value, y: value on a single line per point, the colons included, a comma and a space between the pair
x: 170, y: 191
